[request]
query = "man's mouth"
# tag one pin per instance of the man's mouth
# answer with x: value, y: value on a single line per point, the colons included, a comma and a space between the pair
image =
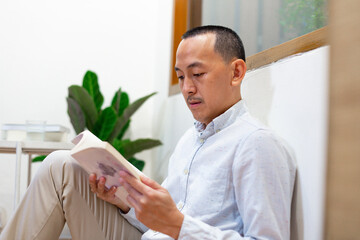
x: 194, y: 102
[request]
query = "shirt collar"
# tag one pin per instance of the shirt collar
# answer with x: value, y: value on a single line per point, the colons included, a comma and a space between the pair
x: 220, y: 122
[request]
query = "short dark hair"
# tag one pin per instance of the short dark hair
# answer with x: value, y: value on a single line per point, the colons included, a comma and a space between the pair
x: 228, y: 44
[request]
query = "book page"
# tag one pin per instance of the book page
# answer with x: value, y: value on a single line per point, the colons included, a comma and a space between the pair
x: 99, y: 157
x: 85, y: 139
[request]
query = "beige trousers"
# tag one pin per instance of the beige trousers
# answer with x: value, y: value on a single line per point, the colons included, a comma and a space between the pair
x: 60, y: 193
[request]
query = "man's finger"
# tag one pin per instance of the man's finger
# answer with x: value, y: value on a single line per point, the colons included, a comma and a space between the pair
x: 101, y: 185
x: 135, y: 183
x: 149, y: 182
x: 132, y: 191
x: 92, y: 182
x: 133, y: 203
x: 111, y: 192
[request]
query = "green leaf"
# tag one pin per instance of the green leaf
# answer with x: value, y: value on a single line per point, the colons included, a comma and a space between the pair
x: 38, y: 158
x: 128, y: 112
x: 105, y: 123
x: 130, y: 148
x: 76, y: 115
x: 83, y: 98
x: 124, y: 103
x: 139, y: 164
x: 90, y: 83
x: 123, y: 130
x: 115, y: 103
x: 119, y: 145
x: 120, y: 101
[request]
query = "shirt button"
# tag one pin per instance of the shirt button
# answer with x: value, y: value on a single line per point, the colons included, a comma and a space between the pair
x: 217, y: 130
x: 186, y: 172
x: 180, y: 205
x: 202, y: 140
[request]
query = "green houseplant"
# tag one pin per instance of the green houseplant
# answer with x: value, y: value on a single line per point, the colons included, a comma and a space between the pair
x: 110, y: 123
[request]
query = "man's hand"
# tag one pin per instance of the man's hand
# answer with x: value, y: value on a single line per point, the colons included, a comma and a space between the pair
x: 108, y: 195
x: 153, y: 204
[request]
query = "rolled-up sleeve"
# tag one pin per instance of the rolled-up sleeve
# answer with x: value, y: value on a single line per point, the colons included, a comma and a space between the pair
x: 131, y: 218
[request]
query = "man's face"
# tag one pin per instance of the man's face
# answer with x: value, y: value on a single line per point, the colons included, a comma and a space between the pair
x: 204, y: 78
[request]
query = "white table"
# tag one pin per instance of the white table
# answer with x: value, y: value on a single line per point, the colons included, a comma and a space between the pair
x: 29, y: 147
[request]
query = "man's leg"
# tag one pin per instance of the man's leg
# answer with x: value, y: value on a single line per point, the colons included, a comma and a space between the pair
x: 60, y: 192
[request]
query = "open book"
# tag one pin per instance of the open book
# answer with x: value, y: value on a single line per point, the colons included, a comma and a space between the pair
x: 99, y: 157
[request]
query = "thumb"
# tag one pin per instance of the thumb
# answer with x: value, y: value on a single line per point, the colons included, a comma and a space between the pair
x: 149, y: 182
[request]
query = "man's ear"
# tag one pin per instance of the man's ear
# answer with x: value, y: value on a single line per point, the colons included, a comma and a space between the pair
x: 239, y: 70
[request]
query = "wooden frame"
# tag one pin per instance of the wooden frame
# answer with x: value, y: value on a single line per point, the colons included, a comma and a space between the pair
x: 342, y: 211
x: 180, y: 23
x: 184, y: 9
x: 300, y: 44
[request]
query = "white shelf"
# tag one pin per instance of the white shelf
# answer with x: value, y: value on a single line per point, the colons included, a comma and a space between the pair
x: 29, y: 147
x: 34, y: 147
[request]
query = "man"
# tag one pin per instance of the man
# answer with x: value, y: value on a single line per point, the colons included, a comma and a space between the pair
x: 229, y: 176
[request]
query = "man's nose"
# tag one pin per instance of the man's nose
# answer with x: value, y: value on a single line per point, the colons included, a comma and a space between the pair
x: 188, y: 86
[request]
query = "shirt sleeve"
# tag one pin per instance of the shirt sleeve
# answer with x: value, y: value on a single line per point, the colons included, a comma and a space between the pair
x: 194, y: 229
x: 263, y: 179
x: 131, y: 218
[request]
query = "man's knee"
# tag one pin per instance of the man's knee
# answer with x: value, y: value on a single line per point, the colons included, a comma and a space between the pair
x: 59, y: 156
x: 58, y: 170
x: 55, y: 164
x: 61, y: 159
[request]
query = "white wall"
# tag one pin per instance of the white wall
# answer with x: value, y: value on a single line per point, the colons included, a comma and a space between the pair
x: 290, y: 96
x: 45, y: 46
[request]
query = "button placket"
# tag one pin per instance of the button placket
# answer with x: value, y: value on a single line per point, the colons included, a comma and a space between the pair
x: 186, y: 172
x: 180, y: 205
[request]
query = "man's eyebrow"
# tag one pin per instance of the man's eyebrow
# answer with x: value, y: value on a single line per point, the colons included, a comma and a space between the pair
x: 192, y: 65
x: 195, y: 64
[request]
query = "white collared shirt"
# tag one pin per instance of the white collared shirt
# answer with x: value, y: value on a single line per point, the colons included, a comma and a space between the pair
x: 232, y: 180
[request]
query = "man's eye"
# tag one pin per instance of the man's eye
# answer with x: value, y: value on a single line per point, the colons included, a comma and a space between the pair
x: 198, y: 74
x: 180, y: 77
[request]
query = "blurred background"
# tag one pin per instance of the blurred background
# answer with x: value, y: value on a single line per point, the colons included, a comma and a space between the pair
x: 46, y: 46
